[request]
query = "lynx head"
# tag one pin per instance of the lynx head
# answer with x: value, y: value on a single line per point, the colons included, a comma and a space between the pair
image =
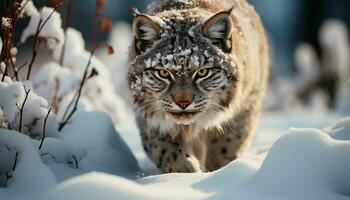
x: 183, y: 71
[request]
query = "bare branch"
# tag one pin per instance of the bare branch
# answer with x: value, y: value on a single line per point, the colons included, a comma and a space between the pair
x: 16, y: 70
x: 15, y: 163
x: 76, y: 161
x: 44, y: 154
x: 99, y: 4
x: 34, y: 49
x: 22, y: 108
x: 66, y: 119
x: 55, y: 94
x: 13, y: 12
x: 69, y: 7
x: 36, y: 41
x: 44, y: 129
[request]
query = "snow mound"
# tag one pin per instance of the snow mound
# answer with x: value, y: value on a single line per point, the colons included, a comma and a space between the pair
x: 105, y: 149
x: 31, y: 165
x: 29, y: 175
x: 89, y: 143
x: 59, y: 84
x: 51, y: 32
x: 303, y: 164
x: 35, y: 108
x: 341, y: 130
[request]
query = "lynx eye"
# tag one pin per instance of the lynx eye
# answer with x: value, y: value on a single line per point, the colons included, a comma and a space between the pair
x: 202, y: 73
x: 164, y: 73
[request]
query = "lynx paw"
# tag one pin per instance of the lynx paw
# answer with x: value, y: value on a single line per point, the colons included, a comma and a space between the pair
x: 185, y: 164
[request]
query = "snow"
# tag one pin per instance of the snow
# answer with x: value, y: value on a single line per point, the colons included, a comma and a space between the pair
x: 6, y: 22
x: 99, y: 155
x: 29, y: 8
x: 310, y: 171
x: 91, y: 138
x: 12, y: 94
x: 52, y: 30
x: 29, y: 171
x: 13, y: 51
x: 334, y: 40
x: 105, y: 149
x: 340, y: 130
x: 53, y: 78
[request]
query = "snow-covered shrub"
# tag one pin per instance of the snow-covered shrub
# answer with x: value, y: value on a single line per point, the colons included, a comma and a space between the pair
x: 59, y: 84
x: 334, y: 40
x: 17, y: 95
x: 317, y: 77
x: 51, y: 31
x: 33, y: 110
x: 118, y: 63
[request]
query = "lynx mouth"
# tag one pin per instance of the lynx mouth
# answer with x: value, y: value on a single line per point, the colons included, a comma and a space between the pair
x: 183, y: 115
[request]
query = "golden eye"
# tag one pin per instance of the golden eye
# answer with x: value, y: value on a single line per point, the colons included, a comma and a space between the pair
x: 163, y: 73
x: 202, y: 72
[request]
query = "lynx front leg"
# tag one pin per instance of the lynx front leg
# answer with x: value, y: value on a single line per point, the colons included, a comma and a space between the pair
x: 227, y: 146
x: 170, y: 155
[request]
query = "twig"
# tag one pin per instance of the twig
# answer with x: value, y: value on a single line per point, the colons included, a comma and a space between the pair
x: 76, y: 161
x: 44, y: 154
x: 66, y: 24
x: 7, y: 147
x: 99, y: 4
x: 34, y: 50
x: 66, y: 119
x: 8, y: 177
x: 15, y: 163
x: 55, y: 94
x: 69, y: 105
x: 16, y: 70
x: 40, y: 26
x: 8, y: 32
x: 13, y: 12
x: 21, y: 108
x: 44, y: 129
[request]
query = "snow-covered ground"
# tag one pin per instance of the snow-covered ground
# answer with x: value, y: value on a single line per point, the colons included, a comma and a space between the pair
x: 98, y: 154
x: 303, y: 163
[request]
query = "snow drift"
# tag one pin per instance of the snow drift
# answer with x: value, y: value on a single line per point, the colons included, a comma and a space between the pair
x: 303, y: 164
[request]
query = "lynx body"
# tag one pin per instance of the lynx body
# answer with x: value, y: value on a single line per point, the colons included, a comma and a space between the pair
x: 198, y: 73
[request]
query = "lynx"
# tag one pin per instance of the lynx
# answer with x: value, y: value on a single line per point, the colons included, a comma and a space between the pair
x: 198, y: 72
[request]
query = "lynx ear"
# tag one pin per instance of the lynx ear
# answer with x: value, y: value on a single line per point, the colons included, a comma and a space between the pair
x: 218, y: 29
x: 146, y: 32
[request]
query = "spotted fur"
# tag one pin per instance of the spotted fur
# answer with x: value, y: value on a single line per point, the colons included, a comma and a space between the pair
x: 198, y: 73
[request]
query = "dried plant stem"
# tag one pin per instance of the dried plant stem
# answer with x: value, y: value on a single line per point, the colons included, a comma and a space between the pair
x: 22, y: 108
x: 36, y: 41
x: 66, y: 24
x: 13, y: 12
x: 16, y: 70
x: 99, y: 4
x: 15, y: 163
x: 75, y: 161
x: 65, y: 119
x: 69, y: 105
x: 44, y: 129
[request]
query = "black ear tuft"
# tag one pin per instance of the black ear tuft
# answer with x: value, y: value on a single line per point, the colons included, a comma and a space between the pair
x: 218, y: 29
x: 146, y: 32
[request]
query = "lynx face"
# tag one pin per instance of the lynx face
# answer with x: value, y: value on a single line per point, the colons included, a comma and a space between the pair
x: 184, y: 71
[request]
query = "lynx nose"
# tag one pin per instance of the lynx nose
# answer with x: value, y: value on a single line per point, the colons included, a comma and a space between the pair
x: 183, y: 104
x: 182, y: 100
